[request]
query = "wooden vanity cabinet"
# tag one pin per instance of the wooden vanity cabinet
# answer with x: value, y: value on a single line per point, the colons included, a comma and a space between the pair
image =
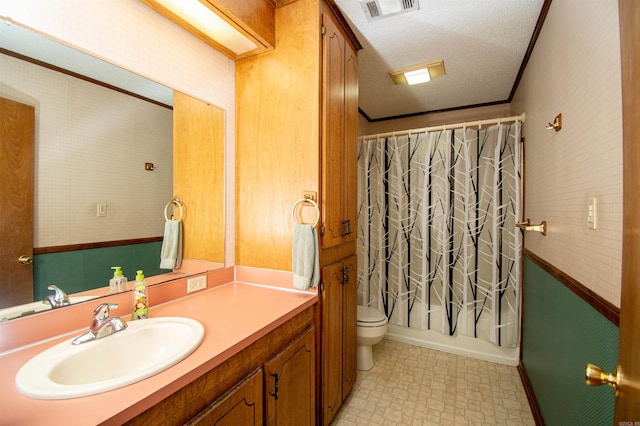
x: 289, y: 391
x: 239, y: 391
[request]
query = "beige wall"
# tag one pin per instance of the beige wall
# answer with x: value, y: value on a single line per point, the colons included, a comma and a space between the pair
x: 575, y: 70
x: 129, y: 34
x: 90, y: 148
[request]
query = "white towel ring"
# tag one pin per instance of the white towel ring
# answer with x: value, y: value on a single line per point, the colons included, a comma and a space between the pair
x: 175, y: 202
x: 307, y: 200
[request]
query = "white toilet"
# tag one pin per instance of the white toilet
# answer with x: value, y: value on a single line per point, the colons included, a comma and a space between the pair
x: 372, y: 326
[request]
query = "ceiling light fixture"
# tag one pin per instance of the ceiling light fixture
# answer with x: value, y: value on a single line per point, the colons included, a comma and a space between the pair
x: 417, y: 74
x: 205, y: 23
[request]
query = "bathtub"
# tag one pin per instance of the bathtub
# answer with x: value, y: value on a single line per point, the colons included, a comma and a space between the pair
x: 458, y: 344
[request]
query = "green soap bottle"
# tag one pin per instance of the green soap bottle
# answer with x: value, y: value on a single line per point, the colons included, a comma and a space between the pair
x: 140, y: 309
x: 119, y: 282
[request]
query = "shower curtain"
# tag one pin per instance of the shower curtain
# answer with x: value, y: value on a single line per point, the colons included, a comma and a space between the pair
x: 437, y: 245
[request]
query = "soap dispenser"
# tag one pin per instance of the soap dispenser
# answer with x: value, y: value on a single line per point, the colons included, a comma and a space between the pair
x: 119, y: 282
x: 140, y: 308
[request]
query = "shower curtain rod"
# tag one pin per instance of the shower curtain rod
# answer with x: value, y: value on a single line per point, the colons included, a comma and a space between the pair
x: 478, y: 123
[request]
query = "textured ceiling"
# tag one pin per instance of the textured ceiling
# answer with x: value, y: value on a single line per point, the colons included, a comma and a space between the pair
x: 482, y: 43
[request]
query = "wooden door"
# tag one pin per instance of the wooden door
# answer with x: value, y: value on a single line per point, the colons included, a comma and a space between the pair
x: 333, y: 133
x: 16, y: 192
x: 241, y: 405
x: 290, y: 384
x: 627, y: 404
x: 349, y: 325
x: 331, y: 340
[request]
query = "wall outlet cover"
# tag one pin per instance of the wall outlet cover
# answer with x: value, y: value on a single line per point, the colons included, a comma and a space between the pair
x: 591, y: 212
x: 196, y: 284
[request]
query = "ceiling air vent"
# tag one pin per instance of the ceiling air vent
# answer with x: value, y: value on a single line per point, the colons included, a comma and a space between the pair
x: 378, y: 9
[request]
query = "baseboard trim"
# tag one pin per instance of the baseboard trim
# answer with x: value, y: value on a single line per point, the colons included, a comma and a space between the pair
x: 459, y: 345
x: 531, y: 396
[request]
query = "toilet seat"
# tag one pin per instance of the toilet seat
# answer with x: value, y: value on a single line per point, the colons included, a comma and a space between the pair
x: 369, y: 317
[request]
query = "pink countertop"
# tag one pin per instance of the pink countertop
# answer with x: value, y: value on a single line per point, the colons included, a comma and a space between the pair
x: 234, y: 315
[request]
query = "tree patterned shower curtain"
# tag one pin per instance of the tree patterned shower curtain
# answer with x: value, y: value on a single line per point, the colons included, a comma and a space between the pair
x: 437, y: 245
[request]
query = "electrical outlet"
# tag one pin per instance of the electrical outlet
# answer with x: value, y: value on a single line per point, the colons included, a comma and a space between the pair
x: 196, y: 284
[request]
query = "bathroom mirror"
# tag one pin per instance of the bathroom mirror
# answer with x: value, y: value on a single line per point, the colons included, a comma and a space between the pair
x: 102, y: 163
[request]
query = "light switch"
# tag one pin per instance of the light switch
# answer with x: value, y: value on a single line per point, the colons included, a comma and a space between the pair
x: 102, y: 210
x: 591, y: 212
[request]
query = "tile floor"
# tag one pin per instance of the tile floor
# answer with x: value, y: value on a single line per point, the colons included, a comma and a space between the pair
x: 411, y: 385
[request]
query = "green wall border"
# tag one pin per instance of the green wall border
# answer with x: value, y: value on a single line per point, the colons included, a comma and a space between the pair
x: 561, y: 332
x: 81, y: 270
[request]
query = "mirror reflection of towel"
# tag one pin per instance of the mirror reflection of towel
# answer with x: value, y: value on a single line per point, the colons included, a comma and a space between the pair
x: 171, y: 253
x: 305, y: 256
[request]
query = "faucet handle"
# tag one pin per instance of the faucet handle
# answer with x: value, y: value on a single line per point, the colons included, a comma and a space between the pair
x: 102, y: 311
x: 101, y: 318
x: 59, y: 298
x: 102, y: 324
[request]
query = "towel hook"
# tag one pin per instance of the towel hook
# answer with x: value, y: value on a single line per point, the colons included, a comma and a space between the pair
x: 176, y: 202
x: 301, y: 201
x: 527, y: 226
x: 557, y: 123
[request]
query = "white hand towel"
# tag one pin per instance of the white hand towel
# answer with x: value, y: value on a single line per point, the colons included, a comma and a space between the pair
x: 306, y: 261
x: 171, y: 253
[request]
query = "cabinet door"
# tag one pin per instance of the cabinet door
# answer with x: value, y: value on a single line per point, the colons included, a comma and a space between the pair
x: 331, y: 340
x: 349, y: 324
x: 290, y: 384
x: 339, y: 137
x: 241, y: 405
x: 350, y: 158
x: 333, y: 132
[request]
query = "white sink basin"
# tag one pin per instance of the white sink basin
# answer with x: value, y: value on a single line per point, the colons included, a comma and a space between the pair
x: 33, y: 307
x: 145, y: 348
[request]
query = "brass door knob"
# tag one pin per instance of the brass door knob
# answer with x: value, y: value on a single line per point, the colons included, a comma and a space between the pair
x: 26, y: 260
x: 594, y: 376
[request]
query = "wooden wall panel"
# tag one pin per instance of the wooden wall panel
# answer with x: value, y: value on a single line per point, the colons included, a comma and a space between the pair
x: 277, y: 140
x: 198, y: 176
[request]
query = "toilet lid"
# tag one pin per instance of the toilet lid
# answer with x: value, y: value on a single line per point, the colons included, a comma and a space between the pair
x: 371, y: 317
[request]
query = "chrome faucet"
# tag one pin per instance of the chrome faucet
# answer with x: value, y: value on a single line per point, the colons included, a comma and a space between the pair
x: 58, y: 299
x: 102, y: 325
